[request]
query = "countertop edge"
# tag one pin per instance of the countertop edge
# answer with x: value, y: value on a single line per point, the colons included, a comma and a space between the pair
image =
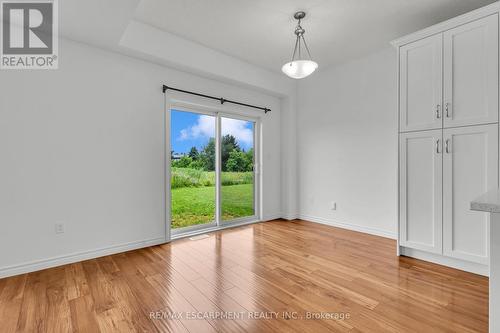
x: 488, y: 202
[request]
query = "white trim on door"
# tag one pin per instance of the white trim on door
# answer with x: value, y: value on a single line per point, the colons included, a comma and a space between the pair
x: 167, y: 206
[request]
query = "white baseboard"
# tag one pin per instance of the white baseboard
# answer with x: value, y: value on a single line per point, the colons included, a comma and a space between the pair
x: 462, y: 265
x: 271, y: 217
x: 76, y: 257
x: 290, y: 217
x: 348, y: 226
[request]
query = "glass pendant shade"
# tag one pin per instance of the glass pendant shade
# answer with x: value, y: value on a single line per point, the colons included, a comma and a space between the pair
x: 299, y: 69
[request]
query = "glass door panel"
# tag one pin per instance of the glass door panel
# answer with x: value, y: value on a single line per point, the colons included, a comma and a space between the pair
x: 237, y: 150
x: 193, y: 181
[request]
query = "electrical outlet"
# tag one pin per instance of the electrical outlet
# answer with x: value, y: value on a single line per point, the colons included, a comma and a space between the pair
x: 59, y: 228
x: 333, y: 205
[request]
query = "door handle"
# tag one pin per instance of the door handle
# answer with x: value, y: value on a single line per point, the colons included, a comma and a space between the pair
x: 447, y: 107
x: 438, y: 111
x: 448, y: 150
x: 437, y: 146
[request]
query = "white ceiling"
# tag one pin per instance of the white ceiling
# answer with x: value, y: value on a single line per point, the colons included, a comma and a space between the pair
x: 261, y: 31
x: 96, y: 22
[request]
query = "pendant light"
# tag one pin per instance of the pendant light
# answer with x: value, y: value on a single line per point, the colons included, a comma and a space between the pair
x: 302, y: 67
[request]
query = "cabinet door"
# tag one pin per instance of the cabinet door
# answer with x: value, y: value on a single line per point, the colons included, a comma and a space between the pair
x: 421, y: 190
x: 421, y: 84
x: 471, y: 73
x: 470, y: 168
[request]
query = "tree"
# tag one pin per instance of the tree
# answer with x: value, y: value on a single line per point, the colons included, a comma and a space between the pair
x: 228, y: 144
x: 207, y: 155
x: 249, y: 158
x: 198, y: 165
x: 237, y: 161
x: 193, y: 153
x: 183, y: 162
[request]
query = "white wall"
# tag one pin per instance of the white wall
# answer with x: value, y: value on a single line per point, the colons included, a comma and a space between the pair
x: 347, y: 145
x: 83, y: 145
x: 289, y: 170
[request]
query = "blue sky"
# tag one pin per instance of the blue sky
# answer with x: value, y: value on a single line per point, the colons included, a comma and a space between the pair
x: 191, y: 129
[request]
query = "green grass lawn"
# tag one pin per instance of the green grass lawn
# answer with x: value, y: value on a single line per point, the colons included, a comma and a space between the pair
x: 196, y: 205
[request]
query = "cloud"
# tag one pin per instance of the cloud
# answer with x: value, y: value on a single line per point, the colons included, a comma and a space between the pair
x: 205, y: 128
x: 238, y: 129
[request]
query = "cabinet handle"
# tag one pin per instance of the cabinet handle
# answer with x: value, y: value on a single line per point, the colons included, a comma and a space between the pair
x: 437, y: 146
x: 448, y: 150
x: 447, y: 110
x: 438, y: 111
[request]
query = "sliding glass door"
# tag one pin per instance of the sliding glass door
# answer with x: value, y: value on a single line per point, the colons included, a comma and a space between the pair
x: 237, y: 194
x: 212, y: 170
x: 192, y: 169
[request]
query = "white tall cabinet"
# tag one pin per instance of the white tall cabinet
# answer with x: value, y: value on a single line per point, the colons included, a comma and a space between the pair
x: 448, y: 138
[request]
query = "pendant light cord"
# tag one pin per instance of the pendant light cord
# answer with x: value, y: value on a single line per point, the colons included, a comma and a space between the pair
x: 307, y: 49
x: 299, y: 31
x: 295, y: 48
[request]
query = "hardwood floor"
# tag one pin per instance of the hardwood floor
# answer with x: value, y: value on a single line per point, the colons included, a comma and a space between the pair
x: 282, y: 270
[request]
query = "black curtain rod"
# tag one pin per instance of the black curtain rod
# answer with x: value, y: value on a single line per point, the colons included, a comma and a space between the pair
x: 220, y: 99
